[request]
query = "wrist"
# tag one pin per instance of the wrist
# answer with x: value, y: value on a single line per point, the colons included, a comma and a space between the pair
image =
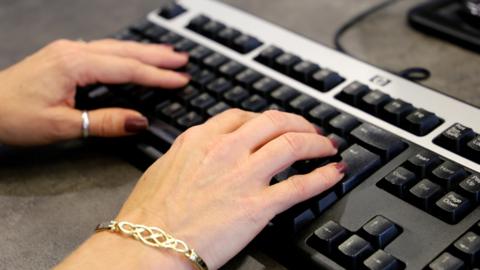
x: 108, y: 250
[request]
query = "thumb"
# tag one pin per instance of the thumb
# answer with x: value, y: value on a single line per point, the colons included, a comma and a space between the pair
x: 115, y: 122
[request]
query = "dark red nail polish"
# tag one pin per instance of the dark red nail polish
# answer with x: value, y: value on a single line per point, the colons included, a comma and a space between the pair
x: 341, y: 167
x: 136, y: 124
x: 319, y: 130
x: 334, y: 142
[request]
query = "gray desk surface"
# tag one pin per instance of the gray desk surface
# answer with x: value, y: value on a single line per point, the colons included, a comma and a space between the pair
x: 51, y: 198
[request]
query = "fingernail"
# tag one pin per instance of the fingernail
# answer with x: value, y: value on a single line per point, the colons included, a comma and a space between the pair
x: 319, y: 130
x: 136, y: 124
x: 334, y: 142
x: 341, y: 167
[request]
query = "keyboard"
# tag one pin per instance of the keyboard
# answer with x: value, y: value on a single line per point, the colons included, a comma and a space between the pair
x: 410, y: 197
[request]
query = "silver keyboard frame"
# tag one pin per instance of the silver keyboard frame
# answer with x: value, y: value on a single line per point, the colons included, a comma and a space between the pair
x: 448, y: 108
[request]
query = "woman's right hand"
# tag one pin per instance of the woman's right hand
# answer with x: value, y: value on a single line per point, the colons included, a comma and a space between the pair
x: 211, y: 189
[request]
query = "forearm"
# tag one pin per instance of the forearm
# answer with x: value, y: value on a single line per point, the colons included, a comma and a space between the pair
x: 108, y: 250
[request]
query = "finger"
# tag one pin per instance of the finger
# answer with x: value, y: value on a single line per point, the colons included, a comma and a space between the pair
x: 299, y: 188
x: 284, y: 150
x: 229, y: 121
x: 115, y: 122
x: 270, y: 125
x: 151, y: 54
x: 94, y: 68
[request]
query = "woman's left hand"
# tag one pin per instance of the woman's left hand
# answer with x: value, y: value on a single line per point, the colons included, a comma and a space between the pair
x: 37, y: 95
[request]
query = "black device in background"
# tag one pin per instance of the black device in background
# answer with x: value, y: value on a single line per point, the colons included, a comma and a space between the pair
x: 457, y: 21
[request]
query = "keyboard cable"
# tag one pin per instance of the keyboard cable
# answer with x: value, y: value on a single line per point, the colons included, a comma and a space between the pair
x: 415, y: 74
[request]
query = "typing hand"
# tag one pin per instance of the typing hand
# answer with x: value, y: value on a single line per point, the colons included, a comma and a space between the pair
x: 211, y: 189
x: 37, y: 94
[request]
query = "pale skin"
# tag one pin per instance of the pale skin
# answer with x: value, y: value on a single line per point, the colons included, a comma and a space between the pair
x: 208, y: 190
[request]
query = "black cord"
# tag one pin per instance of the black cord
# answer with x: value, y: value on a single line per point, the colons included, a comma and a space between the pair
x: 413, y: 74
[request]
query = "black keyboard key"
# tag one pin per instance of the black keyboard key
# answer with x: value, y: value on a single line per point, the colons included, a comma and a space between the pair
x: 188, y: 93
x: 420, y: 122
x: 285, y: 62
x: 381, y: 260
x: 284, y: 94
x: 447, y: 261
x: 327, y: 237
x: 325, y: 80
x: 399, y: 181
x: 395, y: 111
x: 353, y: 93
x: 202, y: 102
x: 425, y: 193
x: 342, y: 124
x: 219, y: 86
x: 360, y: 164
x: 171, y: 10
x: 423, y: 162
x: 340, y: 143
x: 374, y: 101
x: 231, y: 69
x: 197, y: 23
x: 214, y: 61
x: 354, y: 251
x: 184, y: 45
x: 276, y: 107
x: 198, y: 53
x: 227, y: 36
x: 284, y: 175
x: 189, y: 120
x: 268, y: 55
x: 452, y: 207
x: 211, y: 29
x: 217, y: 108
x: 254, y: 103
x: 303, y: 70
x: 265, y: 86
x: 468, y: 248
x: 173, y: 110
x: 236, y: 95
x: 128, y: 35
x: 141, y: 26
x: 202, y: 78
x: 322, y: 113
x: 379, y: 141
x: 155, y: 32
x: 245, y: 43
x: 169, y: 38
x: 303, y: 103
x: 191, y: 69
x: 473, y: 149
x: 455, y: 138
x: 380, y: 231
x: 471, y: 187
x: 248, y: 77
x: 448, y: 174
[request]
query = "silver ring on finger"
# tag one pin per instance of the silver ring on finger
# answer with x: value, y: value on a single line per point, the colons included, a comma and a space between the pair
x: 85, y: 124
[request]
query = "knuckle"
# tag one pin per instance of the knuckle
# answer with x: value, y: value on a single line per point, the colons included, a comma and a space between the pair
x: 277, y: 118
x: 67, y: 54
x: 298, y: 188
x: 294, y: 143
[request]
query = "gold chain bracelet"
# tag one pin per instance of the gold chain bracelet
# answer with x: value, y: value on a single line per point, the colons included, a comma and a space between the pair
x: 154, y: 237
